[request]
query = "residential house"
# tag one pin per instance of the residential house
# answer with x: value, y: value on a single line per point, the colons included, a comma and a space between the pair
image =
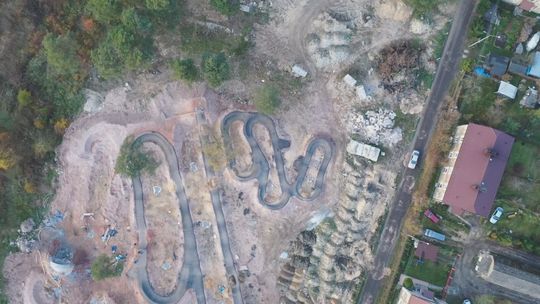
x: 474, y: 169
x: 518, y: 67
x: 497, y: 65
x: 418, y: 296
x: 530, y: 100
x: 526, y: 5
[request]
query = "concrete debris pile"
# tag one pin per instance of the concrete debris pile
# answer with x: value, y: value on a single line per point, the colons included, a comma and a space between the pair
x: 377, y: 127
x: 327, y: 262
x: 329, y: 43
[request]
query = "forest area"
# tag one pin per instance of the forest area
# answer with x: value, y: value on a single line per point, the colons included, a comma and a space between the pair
x: 49, y: 50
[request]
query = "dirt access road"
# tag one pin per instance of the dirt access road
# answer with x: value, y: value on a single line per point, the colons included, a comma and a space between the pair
x: 446, y: 70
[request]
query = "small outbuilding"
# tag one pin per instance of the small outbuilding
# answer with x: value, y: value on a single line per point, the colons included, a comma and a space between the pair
x: 534, y: 69
x: 364, y: 150
x: 349, y: 80
x: 530, y: 100
x: 517, y: 67
x: 298, y: 71
x: 507, y: 90
x: 361, y: 92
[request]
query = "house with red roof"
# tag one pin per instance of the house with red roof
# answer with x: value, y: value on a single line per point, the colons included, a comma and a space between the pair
x: 426, y: 251
x: 419, y: 296
x: 474, y: 169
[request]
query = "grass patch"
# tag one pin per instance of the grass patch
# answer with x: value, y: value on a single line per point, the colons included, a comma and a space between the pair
x: 198, y: 39
x: 431, y: 272
x: 407, y: 122
x: 518, y: 227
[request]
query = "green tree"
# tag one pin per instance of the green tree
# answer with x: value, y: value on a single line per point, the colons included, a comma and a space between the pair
x: 104, y: 11
x: 226, y: 7
x: 104, y: 267
x: 61, y: 54
x: 132, y: 161
x: 185, y: 69
x: 467, y: 65
x: 24, y: 98
x: 267, y: 99
x: 135, y: 22
x: 7, y: 159
x: 157, y: 5
x: 215, y: 68
x: 408, y: 283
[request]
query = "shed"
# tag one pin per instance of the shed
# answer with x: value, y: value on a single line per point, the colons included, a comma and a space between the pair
x: 498, y: 64
x: 427, y: 251
x: 530, y: 100
x: 500, y: 40
x: 517, y: 67
x: 361, y: 149
x: 349, y: 80
x: 361, y: 92
x: 492, y: 15
x: 508, y: 90
x: 298, y: 71
x: 534, y: 69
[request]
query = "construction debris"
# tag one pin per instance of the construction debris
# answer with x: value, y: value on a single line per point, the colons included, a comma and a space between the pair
x: 377, y: 127
x: 349, y: 80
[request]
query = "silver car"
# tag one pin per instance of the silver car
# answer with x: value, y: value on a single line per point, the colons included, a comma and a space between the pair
x: 414, y: 159
x: 496, y: 216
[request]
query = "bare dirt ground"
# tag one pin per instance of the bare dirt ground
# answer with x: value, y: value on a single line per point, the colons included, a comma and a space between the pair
x: 165, y: 235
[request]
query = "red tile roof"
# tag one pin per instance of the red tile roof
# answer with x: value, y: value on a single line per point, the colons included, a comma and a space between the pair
x: 477, y: 173
x: 427, y: 251
x: 526, y: 5
x: 416, y: 300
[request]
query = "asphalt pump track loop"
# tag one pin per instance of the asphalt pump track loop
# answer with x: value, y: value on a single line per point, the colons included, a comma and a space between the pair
x: 260, y: 168
x: 190, y: 275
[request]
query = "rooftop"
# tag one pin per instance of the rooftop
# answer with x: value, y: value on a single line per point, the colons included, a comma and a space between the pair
x: 534, y: 69
x: 498, y: 64
x: 361, y: 149
x: 427, y: 251
x: 478, y: 170
x: 508, y: 90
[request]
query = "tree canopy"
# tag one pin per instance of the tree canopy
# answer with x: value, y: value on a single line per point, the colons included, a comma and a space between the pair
x: 215, y: 68
x: 132, y: 161
x: 185, y: 69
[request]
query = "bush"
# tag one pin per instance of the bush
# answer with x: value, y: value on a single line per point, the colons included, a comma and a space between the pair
x: 185, y: 69
x: 215, y: 68
x: 61, y: 54
x: 226, y: 7
x: 24, y: 98
x: 105, y: 266
x: 408, y: 283
x: 267, y: 99
x: 132, y: 161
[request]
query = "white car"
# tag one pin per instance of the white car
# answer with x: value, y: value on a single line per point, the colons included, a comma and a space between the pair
x: 496, y: 216
x: 467, y: 301
x: 414, y: 159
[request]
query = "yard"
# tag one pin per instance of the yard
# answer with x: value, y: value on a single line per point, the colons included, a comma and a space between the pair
x: 449, y: 224
x: 518, y: 227
x: 435, y: 273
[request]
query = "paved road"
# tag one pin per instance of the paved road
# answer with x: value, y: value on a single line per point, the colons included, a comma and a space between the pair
x: 260, y: 168
x: 190, y: 275
x: 217, y: 205
x: 446, y: 71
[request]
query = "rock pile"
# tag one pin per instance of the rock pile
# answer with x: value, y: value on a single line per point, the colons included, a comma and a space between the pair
x: 377, y: 127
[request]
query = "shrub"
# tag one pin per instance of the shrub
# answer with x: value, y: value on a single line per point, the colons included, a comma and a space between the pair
x: 215, y: 68
x: 24, y: 98
x: 132, y: 161
x: 408, y: 283
x: 267, y: 99
x: 185, y: 69
x: 226, y: 7
x: 104, y: 267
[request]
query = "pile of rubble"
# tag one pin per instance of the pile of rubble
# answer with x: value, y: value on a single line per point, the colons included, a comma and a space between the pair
x: 376, y: 127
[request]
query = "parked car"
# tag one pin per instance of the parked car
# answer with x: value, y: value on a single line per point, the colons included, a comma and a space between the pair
x: 414, y: 159
x: 434, y: 235
x: 432, y: 216
x: 496, y: 216
x: 467, y: 301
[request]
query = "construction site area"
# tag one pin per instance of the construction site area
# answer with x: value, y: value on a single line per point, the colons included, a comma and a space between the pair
x: 242, y: 207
